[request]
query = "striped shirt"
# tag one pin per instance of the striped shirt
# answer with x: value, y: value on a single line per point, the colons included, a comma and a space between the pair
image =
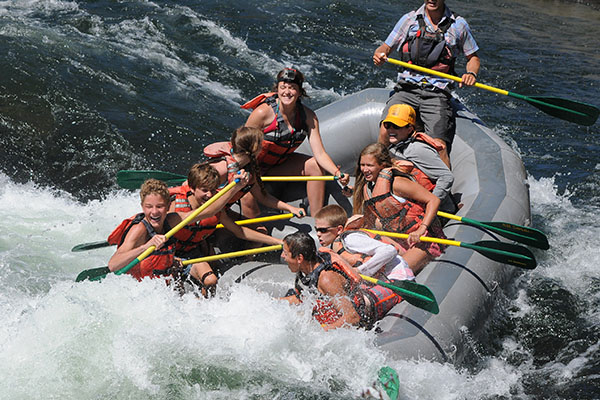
x: 458, y: 37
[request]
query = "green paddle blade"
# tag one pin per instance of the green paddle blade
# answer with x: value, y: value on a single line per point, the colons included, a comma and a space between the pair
x: 90, y: 246
x: 93, y: 274
x: 569, y: 110
x: 388, y: 382
x: 414, y: 293
x: 129, y: 179
x: 506, y: 253
x: 518, y: 233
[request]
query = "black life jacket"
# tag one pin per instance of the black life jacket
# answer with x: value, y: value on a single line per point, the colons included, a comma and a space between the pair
x: 428, y: 49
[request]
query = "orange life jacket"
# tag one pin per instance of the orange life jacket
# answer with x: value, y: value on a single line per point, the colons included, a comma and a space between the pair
x: 158, y: 261
x: 279, y: 142
x: 191, y: 236
x: 179, y: 195
x: 384, y: 211
x: 222, y: 151
x: 409, y: 167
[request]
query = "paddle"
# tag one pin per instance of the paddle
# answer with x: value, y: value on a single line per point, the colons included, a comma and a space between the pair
x: 101, y: 272
x: 416, y: 294
x: 168, y: 235
x: 569, y: 110
x: 518, y: 233
x: 90, y: 246
x: 131, y: 179
x: 104, y: 243
x: 506, y: 253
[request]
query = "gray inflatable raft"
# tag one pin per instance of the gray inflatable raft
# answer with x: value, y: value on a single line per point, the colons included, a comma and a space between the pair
x: 491, y: 182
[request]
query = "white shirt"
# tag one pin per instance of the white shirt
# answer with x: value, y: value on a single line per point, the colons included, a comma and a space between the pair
x: 382, y: 255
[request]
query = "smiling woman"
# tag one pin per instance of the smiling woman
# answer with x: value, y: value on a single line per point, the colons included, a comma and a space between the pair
x: 286, y: 122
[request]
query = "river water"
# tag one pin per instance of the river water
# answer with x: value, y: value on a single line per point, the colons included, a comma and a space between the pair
x: 88, y: 88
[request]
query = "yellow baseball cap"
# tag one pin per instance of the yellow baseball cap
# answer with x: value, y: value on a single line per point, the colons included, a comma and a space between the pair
x: 401, y: 115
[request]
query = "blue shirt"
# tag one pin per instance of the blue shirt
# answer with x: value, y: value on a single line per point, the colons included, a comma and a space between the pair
x: 458, y: 38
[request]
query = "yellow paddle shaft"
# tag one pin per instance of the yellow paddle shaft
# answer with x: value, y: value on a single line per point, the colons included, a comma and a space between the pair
x: 445, y: 76
x: 260, y: 219
x: 449, y: 216
x: 180, y: 225
x: 422, y: 238
x: 233, y: 254
x: 296, y: 178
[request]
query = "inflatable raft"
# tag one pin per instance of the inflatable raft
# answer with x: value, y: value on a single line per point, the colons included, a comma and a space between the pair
x: 490, y: 181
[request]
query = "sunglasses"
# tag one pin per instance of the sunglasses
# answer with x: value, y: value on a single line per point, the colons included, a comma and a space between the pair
x: 323, y: 230
x: 389, y: 125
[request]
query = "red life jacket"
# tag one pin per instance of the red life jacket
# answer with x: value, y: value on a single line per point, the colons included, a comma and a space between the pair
x: 191, y: 236
x: 158, y: 261
x: 179, y: 195
x: 408, y: 167
x: 380, y: 301
x: 279, y: 142
x: 220, y: 151
x: 429, y: 50
x: 384, y: 211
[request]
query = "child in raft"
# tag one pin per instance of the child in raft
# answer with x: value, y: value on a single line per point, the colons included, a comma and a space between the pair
x: 148, y: 228
x: 391, y: 201
x: 241, y: 152
x: 190, y: 241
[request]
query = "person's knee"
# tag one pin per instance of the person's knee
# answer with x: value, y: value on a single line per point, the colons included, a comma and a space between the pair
x: 312, y: 168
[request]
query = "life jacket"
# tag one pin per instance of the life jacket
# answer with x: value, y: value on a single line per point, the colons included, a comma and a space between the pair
x: 191, y: 236
x: 356, y: 259
x: 408, y: 167
x: 279, y: 142
x: 384, y: 211
x: 220, y: 151
x: 158, y: 261
x: 380, y: 301
x: 179, y: 195
x: 427, y: 49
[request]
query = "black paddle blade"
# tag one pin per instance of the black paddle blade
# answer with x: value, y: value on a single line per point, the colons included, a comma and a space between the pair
x: 408, y: 291
x: 90, y: 246
x: 572, y: 111
x: 131, y: 179
x: 506, y: 253
x: 521, y: 234
x: 94, y: 274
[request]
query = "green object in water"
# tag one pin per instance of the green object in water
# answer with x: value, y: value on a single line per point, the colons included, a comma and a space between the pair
x: 388, y: 382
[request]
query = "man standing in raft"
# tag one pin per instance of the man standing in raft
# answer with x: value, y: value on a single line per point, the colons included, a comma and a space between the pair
x: 286, y: 122
x: 344, y: 299
x: 431, y: 37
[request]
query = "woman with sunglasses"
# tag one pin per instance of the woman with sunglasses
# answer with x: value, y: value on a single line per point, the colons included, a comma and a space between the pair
x: 417, y: 153
x: 286, y: 122
x: 390, y: 200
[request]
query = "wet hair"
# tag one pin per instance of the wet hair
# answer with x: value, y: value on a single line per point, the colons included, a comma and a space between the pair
x: 302, y: 243
x: 382, y: 157
x: 203, y: 175
x: 248, y: 140
x: 334, y: 215
x: 285, y: 75
x: 154, y: 186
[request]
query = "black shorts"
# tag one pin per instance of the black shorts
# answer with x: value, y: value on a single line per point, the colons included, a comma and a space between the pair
x: 435, y: 116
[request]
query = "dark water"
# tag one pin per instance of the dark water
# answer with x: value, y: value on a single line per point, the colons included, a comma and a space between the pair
x: 91, y: 87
